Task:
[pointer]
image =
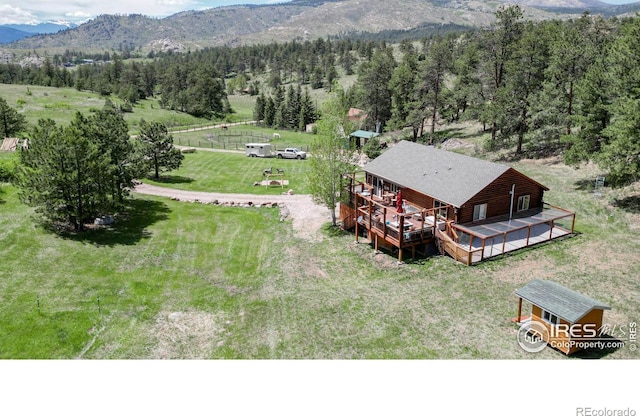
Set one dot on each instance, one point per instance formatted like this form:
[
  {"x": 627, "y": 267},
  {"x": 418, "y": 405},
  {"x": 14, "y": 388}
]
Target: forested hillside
[{"x": 539, "y": 88}]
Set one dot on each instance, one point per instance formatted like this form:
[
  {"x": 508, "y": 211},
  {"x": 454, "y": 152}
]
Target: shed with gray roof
[
  {"x": 361, "y": 137},
  {"x": 566, "y": 317},
  {"x": 563, "y": 302}
]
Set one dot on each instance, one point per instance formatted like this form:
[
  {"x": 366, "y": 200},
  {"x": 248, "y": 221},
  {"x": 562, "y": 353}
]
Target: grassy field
[
  {"x": 235, "y": 137},
  {"x": 233, "y": 173},
  {"x": 61, "y": 104},
  {"x": 180, "y": 280}
]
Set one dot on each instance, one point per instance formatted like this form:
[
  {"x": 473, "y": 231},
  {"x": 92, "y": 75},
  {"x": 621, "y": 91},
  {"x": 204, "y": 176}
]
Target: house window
[
  {"x": 549, "y": 317},
  {"x": 523, "y": 202},
  {"x": 479, "y": 212},
  {"x": 442, "y": 212}
]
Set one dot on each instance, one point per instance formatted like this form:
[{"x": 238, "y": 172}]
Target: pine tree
[
  {"x": 157, "y": 147},
  {"x": 61, "y": 173},
  {"x": 373, "y": 79},
  {"x": 11, "y": 122}
]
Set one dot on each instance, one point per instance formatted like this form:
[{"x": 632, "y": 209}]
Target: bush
[
  {"x": 7, "y": 170},
  {"x": 126, "y": 107},
  {"x": 372, "y": 148}
]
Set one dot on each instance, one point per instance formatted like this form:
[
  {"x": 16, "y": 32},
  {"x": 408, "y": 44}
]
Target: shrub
[
  {"x": 7, "y": 170},
  {"x": 126, "y": 107},
  {"x": 372, "y": 148}
]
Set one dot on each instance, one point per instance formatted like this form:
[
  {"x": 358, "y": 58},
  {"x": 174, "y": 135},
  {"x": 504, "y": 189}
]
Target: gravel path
[{"x": 307, "y": 216}]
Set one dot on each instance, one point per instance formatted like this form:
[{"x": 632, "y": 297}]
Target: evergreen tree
[
  {"x": 467, "y": 93},
  {"x": 403, "y": 85},
  {"x": 307, "y": 111},
  {"x": 11, "y": 122},
  {"x": 258, "y": 110},
  {"x": 317, "y": 78},
  {"x": 527, "y": 77},
  {"x": 157, "y": 147},
  {"x": 620, "y": 151},
  {"x": 498, "y": 49},
  {"x": 269, "y": 112},
  {"x": 435, "y": 68},
  {"x": 373, "y": 79},
  {"x": 61, "y": 173},
  {"x": 108, "y": 129},
  {"x": 595, "y": 113}
]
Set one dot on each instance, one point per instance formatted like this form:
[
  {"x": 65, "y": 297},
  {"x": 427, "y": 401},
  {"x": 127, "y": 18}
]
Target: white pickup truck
[{"x": 291, "y": 153}]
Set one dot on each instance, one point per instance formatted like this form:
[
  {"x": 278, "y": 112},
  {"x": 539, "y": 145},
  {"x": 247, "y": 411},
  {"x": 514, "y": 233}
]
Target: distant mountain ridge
[
  {"x": 298, "y": 19},
  {"x": 13, "y": 32}
]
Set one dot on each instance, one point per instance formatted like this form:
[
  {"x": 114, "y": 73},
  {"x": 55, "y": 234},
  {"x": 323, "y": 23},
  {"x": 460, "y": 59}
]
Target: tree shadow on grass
[
  {"x": 172, "y": 179},
  {"x": 441, "y": 136},
  {"x": 630, "y": 204},
  {"x": 129, "y": 228},
  {"x": 586, "y": 185}
]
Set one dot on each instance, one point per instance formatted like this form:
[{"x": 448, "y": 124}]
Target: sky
[{"x": 79, "y": 11}]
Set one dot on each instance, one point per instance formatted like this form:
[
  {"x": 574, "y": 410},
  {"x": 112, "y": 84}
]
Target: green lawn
[
  {"x": 243, "y": 106},
  {"x": 185, "y": 280},
  {"x": 233, "y": 173},
  {"x": 61, "y": 104}
]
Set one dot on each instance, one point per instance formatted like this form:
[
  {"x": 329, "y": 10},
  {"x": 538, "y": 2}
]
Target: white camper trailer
[{"x": 259, "y": 150}]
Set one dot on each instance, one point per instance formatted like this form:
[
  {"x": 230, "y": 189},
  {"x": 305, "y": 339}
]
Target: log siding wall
[{"x": 496, "y": 196}]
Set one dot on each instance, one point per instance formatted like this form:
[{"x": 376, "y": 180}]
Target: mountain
[
  {"x": 48, "y": 27},
  {"x": 8, "y": 34},
  {"x": 298, "y": 19},
  {"x": 11, "y": 33}
]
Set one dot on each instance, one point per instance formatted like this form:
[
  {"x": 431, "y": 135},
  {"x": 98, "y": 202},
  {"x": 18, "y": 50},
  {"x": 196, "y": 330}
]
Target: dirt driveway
[{"x": 307, "y": 216}]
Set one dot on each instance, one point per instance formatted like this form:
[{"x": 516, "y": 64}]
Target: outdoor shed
[
  {"x": 569, "y": 319},
  {"x": 360, "y": 137}
]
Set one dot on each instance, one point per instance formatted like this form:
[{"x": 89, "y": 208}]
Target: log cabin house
[
  {"x": 415, "y": 195},
  {"x": 567, "y": 319}
]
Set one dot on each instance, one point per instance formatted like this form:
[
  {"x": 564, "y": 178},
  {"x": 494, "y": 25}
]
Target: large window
[
  {"x": 523, "y": 202},
  {"x": 441, "y": 208},
  {"x": 549, "y": 317},
  {"x": 479, "y": 212}
]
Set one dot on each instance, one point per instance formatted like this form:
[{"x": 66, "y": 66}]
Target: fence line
[{"x": 225, "y": 143}]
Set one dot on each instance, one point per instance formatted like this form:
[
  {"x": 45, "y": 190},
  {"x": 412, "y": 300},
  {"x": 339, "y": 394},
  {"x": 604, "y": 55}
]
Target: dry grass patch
[{"x": 188, "y": 335}]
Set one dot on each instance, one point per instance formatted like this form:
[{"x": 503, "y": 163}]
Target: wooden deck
[
  {"x": 403, "y": 230},
  {"x": 501, "y": 235}
]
